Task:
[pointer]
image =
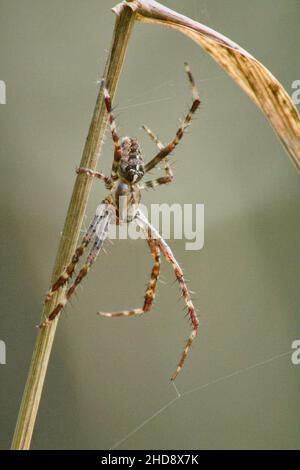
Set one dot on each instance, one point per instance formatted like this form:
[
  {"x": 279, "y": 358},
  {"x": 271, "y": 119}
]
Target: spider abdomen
[{"x": 127, "y": 199}]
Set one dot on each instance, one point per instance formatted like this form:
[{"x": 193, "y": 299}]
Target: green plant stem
[{"x": 38, "y": 368}]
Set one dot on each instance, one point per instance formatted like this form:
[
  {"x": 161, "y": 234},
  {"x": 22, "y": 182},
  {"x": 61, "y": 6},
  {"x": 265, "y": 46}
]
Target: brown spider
[{"x": 128, "y": 169}]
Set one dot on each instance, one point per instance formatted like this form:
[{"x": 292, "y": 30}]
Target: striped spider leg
[
  {"x": 69, "y": 270},
  {"x": 128, "y": 169},
  {"x": 166, "y": 150},
  {"x": 158, "y": 245},
  {"x": 90, "y": 233},
  {"x": 114, "y": 135},
  {"x": 169, "y": 174},
  {"x": 166, "y": 251},
  {"x": 150, "y": 292},
  {"x": 98, "y": 231}
]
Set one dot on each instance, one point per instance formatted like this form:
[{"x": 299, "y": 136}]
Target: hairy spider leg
[
  {"x": 101, "y": 231},
  {"x": 150, "y": 293},
  {"x": 186, "y": 122},
  {"x": 115, "y": 137},
  {"x": 153, "y": 137},
  {"x": 169, "y": 174},
  {"x": 167, "y": 253},
  {"x": 96, "y": 174},
  {"x": 69, "y": 270}
]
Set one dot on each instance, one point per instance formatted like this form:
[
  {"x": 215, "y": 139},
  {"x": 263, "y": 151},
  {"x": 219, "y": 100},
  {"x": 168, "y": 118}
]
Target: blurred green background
[{"x": 107, "y": 376}]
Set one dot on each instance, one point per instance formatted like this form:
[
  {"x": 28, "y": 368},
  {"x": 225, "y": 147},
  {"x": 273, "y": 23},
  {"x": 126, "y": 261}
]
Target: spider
[{"x": 128, "y": 169}]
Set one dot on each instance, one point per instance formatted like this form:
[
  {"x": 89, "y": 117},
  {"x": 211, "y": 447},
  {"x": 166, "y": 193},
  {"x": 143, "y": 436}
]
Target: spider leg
[
  {"x": 169, "y": 174},
  {"x": 158, "y": 181},
  {"x": 167, "y": 252},
  {"x": 186, "y": 122},
  {"x": 101, "y": 230},
  {"x": 150, "y": 292},
  {"x": 96, "y": 174},
  {"x": 69, "y": 270},
  {"x": 153, "y": 137},
  {"x": 113, "y": 129}
]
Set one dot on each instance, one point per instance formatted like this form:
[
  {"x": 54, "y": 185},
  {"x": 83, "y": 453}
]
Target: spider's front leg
[
  {"x": 150, "y": 293},
  {"x": 153, "y": 234},
  {"x": 114, "y": 134},
  {"x": 165, "y": 151},
  {"x": 96, "y": 174},
  {"x": 169, "y": 174}
]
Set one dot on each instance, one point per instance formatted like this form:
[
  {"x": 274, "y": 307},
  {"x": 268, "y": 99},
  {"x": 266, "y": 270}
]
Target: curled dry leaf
[{"x": 255, "y": 79}]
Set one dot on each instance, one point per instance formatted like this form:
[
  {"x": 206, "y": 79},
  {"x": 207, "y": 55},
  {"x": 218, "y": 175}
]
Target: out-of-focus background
[{"x": 106, "y": 377}]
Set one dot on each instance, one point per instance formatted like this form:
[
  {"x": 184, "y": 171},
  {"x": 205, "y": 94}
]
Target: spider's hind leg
[
  {"x": 98, "y": 229},
  {"x": 68, "y": 272},
  {"x": 167, "y": 252},
  {"x": 150, "y": 293}
]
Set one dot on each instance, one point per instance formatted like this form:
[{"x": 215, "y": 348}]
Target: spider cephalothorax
[{"x": 128, "y": 169}]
